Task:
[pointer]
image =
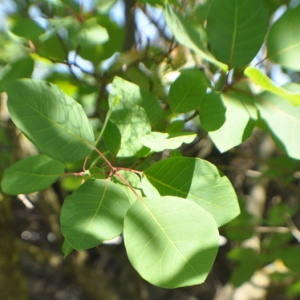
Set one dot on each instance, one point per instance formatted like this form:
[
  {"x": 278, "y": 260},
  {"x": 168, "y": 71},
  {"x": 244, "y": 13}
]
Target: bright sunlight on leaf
[
  {"x": 197, "y": 180},
  {"x": 283, "y": 40},
  {"x": 166, "y": 243},
  {"x": 266, "y": 83}
]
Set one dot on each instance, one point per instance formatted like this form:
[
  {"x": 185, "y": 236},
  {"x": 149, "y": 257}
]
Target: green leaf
[
  {"x": 188, "y": 36},
  {"x": 244, "y": 269},
  {"x": 239, "y": 121},
  {"x": 132, "y": 123},
  {"x": 283, "y": 44},
  {"x": 70, "y": 183},
  {"x": 31, "y": 174},
  {"x": 212, "y": 111},
  {"x": 241, "y": 228},
  {"x": 89, "y": 34},
  {"x": 187, "y": 91},
  {"x": 129, "y": 93},
  {"x": 93, "y": 213},
  {"x": 282, "y": 120},
  {"x": 53, "y": 121},
  {"x": 21, "y": 68},
  {"x": 131, "y": 113},
  {"x": 95, "y": 172},
  {"x": 273, "y": 5},
  {"x": 197, "y": 180},
  {"x": 66, "y": 248},
  {"x": 131, "y": 177},
  {"x": 27, "y": 28},
  {"x": 103, "y": 51},
  {"x": 50, "y": 46},
  {"x": 266, "y": 83},
  {"x": 170, "y": 241},
  {"x": 112, "y": 138},
  {"x": 159, "y": 141},
  {"x": 278, "y": 214},
  {"x": 236, "y": 30},
  {"x": 103, "y": 6},
  {"x": 148, "y": 189},
  {"x": 175, "y": 126}
]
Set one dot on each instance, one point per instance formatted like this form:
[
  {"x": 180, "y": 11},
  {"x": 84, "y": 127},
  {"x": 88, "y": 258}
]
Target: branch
[{"x": 129, "y": 25}]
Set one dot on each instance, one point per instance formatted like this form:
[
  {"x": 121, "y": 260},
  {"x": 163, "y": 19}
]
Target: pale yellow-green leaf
[{"x": 262, "y": 80}]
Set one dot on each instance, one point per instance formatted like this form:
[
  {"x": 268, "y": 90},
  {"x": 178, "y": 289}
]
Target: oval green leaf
[
  {"x": 283, "y": 121},
  {"x": 132, "y": 110},
  {"x": 212, "y": 111},
  {"x": 31, "y": 174},
  {"x": 283, "y": 40},
  {"x": 240, "y": 121},
  {"x": 53, "y": 121},
  {"x": 125, "y": 93},
  {"x": 187, "y": 91},
  {"x": 236, "y": 30},
  {"x": 188, "y": 36},
  {"x": 197, "y": 180},
  {"x": 93, "y": 213},
  {"x": 172, "y": 242}
]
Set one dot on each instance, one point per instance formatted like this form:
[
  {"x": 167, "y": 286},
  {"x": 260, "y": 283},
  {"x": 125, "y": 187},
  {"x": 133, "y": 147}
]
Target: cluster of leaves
[{"x": 168, "y": 211}]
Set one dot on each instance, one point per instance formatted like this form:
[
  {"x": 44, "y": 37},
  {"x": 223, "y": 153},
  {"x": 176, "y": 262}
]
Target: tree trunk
[{"x": 12, "y": 282}]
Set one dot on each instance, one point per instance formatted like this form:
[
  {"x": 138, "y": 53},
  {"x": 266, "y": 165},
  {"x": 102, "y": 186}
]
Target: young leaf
[
  {"x": 239, "y": 121},
  {"x": 132, "y": 123},
  {"x": 283, "y": 40},
  {"x": 187, "y": 91},
  {"x": 93, "y": 213},
  {"x": 31, "y": 174},
  {"x": 53, "y": 121},
  {"x": 197, "y": 180},
  {"x": 172, "y": 242},
  {"x": 265, "y": 82},
  {"x": 212, "y": 111},
  {"x": 188, "y": 36},
  {"x": 131, "y": 113},
  {"x": 236, "y": 30},
  {"x": 159, "y": 141},
  {"x": 283, "y": 121},
  {"x": 130, "y": 94}
]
